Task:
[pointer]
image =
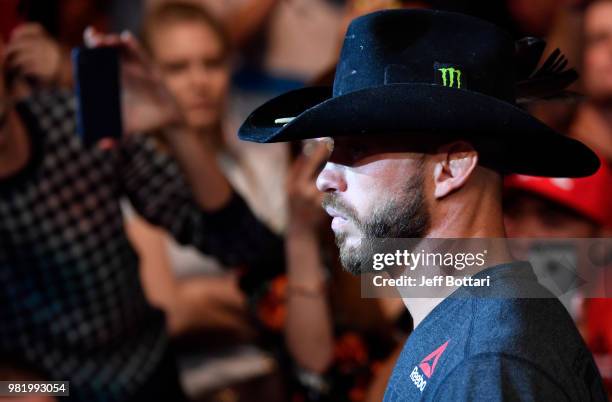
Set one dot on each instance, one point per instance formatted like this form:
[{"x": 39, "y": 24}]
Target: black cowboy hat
[{"x": 429, "y": 75}]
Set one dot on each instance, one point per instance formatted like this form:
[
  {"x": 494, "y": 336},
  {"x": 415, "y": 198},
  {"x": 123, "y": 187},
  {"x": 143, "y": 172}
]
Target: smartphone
[{"x": 98, "y": 93}]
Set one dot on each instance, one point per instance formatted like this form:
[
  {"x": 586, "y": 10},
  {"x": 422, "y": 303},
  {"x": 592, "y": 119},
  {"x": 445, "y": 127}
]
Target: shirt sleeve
[
  {"x": 153, "y": 183},
  {"x": 495, "y": 377}
]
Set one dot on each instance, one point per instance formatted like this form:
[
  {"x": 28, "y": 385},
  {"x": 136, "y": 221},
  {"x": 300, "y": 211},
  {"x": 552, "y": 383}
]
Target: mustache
[{"x": 332, "y": 201}]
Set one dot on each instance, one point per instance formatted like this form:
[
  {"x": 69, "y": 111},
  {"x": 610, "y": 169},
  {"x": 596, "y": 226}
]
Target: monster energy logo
[{"x": 451, "y": 75}]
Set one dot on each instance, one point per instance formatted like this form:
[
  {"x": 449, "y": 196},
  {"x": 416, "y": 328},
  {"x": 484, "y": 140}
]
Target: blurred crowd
[{"x": 191, "y": 266}]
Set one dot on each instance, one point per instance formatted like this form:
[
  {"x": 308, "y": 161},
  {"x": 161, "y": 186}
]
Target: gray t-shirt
[{"x": 500, "y": 348}]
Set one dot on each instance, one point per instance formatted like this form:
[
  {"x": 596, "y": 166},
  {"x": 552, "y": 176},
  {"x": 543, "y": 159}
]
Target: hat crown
[{"x": 425, "y": 46}]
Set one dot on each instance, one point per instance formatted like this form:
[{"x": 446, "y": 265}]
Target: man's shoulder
[
  {"x": 521, "y": 325},
  {"x": 534, "y": 335},
  {"x": 515, "y": 347},
  {"x": 500, "y": 376},
  {"x": 517, "y": 315}
]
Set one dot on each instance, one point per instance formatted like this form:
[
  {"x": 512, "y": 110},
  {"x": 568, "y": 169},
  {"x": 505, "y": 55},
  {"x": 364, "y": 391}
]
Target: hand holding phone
[{"x": 146, "y": 104}]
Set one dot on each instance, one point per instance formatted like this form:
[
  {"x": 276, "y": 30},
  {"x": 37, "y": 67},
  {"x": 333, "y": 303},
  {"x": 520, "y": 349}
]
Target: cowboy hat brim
[{"x": 508, "y": 138}]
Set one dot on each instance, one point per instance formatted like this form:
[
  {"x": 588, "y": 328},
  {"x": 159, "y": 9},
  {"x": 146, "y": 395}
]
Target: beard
[{"x": 405, "y": 216}]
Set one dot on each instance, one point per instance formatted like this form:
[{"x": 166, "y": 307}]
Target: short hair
[{"x": 183, "y": 11}]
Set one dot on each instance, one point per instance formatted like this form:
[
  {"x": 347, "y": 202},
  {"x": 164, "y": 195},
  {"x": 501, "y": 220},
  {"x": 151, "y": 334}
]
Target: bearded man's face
[{"x": 373, "y": 190}]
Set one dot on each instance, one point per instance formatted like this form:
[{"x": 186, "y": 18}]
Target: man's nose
[{"x": 331, "y": 179}]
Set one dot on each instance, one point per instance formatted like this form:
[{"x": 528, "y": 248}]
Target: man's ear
[{"x": 453, "y": 165}]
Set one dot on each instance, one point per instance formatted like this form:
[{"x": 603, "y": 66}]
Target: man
[
  {"x": 593, "y": 121},
  {"x": 71, "y": 304},
  {"x": 423, "y": 122}
]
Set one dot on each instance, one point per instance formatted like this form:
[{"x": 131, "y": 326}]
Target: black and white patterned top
[{"x": 71, "y": 301}]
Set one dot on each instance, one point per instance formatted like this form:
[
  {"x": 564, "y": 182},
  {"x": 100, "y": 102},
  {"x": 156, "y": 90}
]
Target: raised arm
[
  {"x": 183, "y": 191},
  {"x": 309, "y": 329}
]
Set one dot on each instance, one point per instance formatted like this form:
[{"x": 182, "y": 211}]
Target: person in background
[
  {"x": 39, "y": 58},
  {"x": 241, "y": 18},
  {"x": 558, "y": 207},
  {"x": 199, "y": 295},
  {"x": 534, "y": 17},
  {"x": 192, "y": 52},
  {"x": 71, "y": 302},
  {"x": 43, "y": 33},
  {"x": 593, "y": 120},
  {"x": 568, "y": 208}
]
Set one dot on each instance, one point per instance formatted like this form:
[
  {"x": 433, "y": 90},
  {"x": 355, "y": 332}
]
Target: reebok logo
[
  {"x": 427, "y": 366},
  {"x": 418, "y": 379}
]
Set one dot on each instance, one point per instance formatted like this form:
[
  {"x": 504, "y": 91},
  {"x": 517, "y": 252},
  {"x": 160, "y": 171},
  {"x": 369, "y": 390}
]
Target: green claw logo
[{"x": 448, "y": 77}]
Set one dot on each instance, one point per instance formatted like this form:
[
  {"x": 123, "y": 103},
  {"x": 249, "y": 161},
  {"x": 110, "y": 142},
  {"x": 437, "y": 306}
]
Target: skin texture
[
  {"x": 184, "y": 301},
  {"x": 358, "y": 171},
  {"x": 534, "y": 17},
  {"x": 308, "y": 329},
  {"x": 367, "y": 175},
  {"x": 34, "y": 54},
  {"x": 597, "y": 69},
  {"x": 593, "y": 122},
  {"x": 404, "y": 215},
  {"x": 195, "y": 70},
  {"x": 242, "y": 21}
]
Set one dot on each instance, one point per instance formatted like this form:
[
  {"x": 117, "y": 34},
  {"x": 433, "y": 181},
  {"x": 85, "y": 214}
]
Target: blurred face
[
  {"x": 372, "y": 191},
  {"x": 597, "y": 72},
  {"x": 534, "y": 16},
  {"x": 527, "y": 215},
  {"x": 194, "y": 68}
]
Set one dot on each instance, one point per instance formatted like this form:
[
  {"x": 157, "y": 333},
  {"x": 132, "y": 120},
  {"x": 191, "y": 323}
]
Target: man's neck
[
  {"x": 14, "y": 146},
  {"x": 420, "y": 308},
  {"x": 477, "y": 217}
]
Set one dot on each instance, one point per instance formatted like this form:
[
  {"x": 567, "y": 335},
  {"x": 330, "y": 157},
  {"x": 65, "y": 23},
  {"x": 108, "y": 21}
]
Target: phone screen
[{"x": 97, "y": 87}]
